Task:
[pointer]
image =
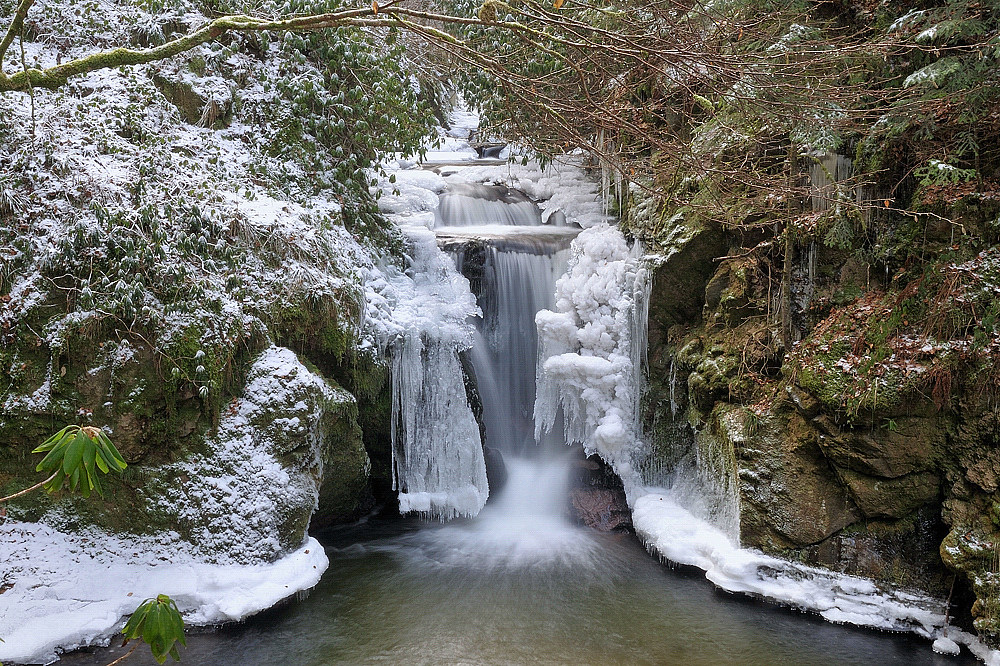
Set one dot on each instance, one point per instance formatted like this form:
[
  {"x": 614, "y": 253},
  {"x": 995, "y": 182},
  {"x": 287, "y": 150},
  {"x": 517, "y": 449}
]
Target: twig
[
  {"x": 31, "y": 88},
  {"x": 124, "y": 656},
  {"x": 15, "y": 29},
  {"x": 28, "y": 490}
]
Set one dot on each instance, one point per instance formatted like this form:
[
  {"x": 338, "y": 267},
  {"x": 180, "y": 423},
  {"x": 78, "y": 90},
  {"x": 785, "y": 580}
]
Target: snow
[
  {"x": 944, "y": 645},
  {"x": 237, "y": 494},
  {"x": 562, "y": 186},
  {"x": 675, "y": 534},
  {"x": 73, "y": 590}
]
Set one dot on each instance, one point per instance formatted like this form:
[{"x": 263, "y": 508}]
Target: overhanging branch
[
  {"x": 15, "y": 27},
  {"x": 53, "y": 77}
]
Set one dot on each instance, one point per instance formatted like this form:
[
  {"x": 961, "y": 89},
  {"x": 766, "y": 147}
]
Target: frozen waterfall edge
[
  {"x": 591, "y": 350},
  {"x": 438, "y": 464}
]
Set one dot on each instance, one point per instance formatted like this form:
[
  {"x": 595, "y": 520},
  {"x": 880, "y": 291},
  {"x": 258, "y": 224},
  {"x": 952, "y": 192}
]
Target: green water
[{"x": 402, "y": 592}]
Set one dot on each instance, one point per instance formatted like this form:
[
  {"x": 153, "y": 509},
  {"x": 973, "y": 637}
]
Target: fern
[{"x": 936, "y": 172}]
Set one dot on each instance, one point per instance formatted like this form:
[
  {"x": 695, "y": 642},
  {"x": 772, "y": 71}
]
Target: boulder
[{"x": 597, "y": 497}]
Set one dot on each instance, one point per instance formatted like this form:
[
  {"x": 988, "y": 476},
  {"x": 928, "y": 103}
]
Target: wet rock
[
  {"x": 893, "y": 498},
  {"x": 496, "y": 470},
  {"x": 789, "y": 496},
  {"x": 908, "y": 446},
  {"x": 601, "y": 510},
  {"x": 597, "y": 497},
  {"x": 344, "y": 492},
  {"x": 901, "y": 552},
  {"x": 678, "y": 292}
]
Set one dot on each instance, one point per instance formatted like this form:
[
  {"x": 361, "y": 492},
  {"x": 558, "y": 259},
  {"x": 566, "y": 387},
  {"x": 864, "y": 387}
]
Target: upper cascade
[{"x": 477, "y": 204}]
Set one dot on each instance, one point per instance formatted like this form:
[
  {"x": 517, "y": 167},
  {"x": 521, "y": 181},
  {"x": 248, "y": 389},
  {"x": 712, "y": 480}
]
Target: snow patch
[
  {"x": 73, "y": 590},
  {"x": 675, "y": 534}
]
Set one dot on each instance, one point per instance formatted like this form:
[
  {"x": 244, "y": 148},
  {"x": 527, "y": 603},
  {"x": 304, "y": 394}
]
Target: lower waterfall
[{"x": 581, "y": 382}]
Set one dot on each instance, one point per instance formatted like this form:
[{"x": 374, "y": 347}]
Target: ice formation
[
  {"x": 589, "y": 350},
  {"x": 675, "y": 534},
  {"x": 438, "y": 463}
]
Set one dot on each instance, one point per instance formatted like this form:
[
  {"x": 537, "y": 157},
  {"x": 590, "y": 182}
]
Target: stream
[
  {"x": 519, "y": 583},
  {"x": 403, "y": 591}
]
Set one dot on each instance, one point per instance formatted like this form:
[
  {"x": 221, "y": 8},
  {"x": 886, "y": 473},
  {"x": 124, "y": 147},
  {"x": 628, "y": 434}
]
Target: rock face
[
  {"x": 280, "y": 450},
  {"x": 894, "y": 478},
  {"x": 242, "y": 490}
]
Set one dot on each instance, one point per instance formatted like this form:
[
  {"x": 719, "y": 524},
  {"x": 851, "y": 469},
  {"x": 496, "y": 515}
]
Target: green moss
[
  {"x": 344, "y": 494},
  {"x": 319, "y": 327}
]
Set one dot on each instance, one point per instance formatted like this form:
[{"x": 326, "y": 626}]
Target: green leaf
[
  {"x": 105, "y": 455},
  {"x": 48, "y": 444},
  {"x": 159, "y": 624},
  {"x": 56, "y": 483},
  {"x": 89, "y": 454},
  {"x": 71, "y": 461},
  {"x": 113, "y": 451},
  {"x": 99, "y": 460},
  {"x": 54, "y": 457}
]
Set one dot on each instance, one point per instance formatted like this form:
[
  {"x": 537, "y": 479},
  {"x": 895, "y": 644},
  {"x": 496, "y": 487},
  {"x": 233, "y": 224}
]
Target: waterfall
[
  {"x": 590, "y": 354},
  {"x": 437, "y": 455},
  {"x": 469, "y": 204},
  {"x": 516, "y": 286},
  {"x": 514, "y": 268}
]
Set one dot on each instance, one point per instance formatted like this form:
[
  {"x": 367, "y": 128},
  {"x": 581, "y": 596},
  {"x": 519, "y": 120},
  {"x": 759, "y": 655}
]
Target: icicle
[
  {"x": 673, "y": 388},
  {"x": 590, "y": 350},
  {"x": 438, "y": 464}
]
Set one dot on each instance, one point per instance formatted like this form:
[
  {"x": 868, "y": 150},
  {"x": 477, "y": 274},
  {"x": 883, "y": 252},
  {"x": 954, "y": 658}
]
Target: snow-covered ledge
[
  {"x": 68, "y": 591},
  {"x": 675, "y": 534}
]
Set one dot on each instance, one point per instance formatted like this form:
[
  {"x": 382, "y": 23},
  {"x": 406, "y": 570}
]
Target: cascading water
[
  {"x": 475, "y": 204},
  {"x": 517, "y": 285},
  {"x": 517, "y": 275}
]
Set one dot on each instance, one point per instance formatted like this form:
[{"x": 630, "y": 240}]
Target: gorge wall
[{"x": 870, "y": 445}]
